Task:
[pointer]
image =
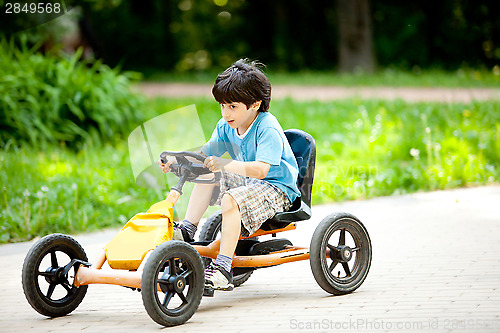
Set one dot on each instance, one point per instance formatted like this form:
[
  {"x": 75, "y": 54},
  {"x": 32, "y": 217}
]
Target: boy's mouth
[{"x": 230, "y": 121}]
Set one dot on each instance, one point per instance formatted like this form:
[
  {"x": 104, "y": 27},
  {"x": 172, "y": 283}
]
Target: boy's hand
[
  {"x": 165, "y": 167},
  {"x": 215, "y": 164}
]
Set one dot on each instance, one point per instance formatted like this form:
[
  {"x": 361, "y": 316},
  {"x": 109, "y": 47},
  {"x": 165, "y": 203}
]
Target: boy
[{"x": 259, "y": 180}]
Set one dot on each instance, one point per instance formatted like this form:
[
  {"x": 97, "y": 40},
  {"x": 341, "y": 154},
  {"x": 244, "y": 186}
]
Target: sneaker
[
  {"x": 181, "y": 234},
  {"x": 218, "y": 278}
]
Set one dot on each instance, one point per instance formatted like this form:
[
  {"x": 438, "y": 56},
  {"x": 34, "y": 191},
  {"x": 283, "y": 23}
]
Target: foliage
[
  {"x": 437, "y": 34},
  {"x": 52, "y": 99},
  {"x": 365, "y": 148},
  {"x": 193, "y": 35}
]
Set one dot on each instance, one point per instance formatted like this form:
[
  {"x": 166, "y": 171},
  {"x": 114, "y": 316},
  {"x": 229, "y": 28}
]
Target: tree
[{"x": 355, "y": 36}]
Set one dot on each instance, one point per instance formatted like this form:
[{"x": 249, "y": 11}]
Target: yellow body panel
[{"x": 142, "y": 233}]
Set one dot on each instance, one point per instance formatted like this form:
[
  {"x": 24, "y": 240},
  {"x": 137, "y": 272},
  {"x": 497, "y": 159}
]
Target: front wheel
[
  {"x": 47, "y": 282},
  {"x": 340, "y": 253},
  {"x": 172, "y": 283}
]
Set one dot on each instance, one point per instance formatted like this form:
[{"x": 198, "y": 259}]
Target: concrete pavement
[{"x": 436, "y": 267}]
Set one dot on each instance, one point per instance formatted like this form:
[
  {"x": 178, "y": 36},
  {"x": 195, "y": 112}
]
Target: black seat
[{"x": 304, "y": 149}]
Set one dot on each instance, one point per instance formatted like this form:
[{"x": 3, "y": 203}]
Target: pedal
[
  {"x": 208, "y": 292},
  {"x": 229, "y": 288}
]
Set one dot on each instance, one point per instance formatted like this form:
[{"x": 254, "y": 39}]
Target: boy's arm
[{"x": 254, "y": 169}]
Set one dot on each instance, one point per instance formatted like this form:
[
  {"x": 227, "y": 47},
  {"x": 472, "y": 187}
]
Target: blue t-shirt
[{"x": 265, "y": 142}]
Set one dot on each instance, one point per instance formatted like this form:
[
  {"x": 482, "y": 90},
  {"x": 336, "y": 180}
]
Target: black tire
[
  {"x": 209, "y": 232},
  {"x": 173, "y": 267},
  {"x": 352, "y": 235},
  {"x": 60, "y": 296}
]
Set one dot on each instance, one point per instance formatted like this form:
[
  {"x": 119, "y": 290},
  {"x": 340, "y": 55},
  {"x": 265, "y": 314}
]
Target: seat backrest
[{"x": 304, "y": 149}]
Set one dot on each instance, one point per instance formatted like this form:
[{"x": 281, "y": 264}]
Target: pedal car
[{"x": 170, "y": 274}]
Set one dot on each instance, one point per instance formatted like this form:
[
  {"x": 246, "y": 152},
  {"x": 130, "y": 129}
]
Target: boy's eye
[{"x": 231, "y": 106}]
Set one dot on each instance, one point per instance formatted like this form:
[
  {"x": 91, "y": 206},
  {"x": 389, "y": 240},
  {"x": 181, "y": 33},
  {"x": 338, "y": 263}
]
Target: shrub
[{"x": 60, "y": 99}]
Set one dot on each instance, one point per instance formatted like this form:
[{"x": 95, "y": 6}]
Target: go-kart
[{"x": 170, "y": 273}]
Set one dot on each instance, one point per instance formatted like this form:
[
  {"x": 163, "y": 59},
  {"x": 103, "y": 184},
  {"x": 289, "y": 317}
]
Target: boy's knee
[{"x": 228, "y": 203}]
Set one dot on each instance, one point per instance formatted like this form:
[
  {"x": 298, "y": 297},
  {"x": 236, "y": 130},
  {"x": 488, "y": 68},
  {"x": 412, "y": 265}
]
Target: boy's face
[{"x": 238, "y": 116}]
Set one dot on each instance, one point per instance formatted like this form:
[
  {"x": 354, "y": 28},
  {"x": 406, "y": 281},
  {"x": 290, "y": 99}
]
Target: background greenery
[
  {"x": 289, "y": 35},
  {"x": 463, "y": 77},
  {"x": 48, "y": 99},
  {"x": 193, "y": 35},
  {"x": 65, "y": 115},
  {"x": 365, "y": 148}
]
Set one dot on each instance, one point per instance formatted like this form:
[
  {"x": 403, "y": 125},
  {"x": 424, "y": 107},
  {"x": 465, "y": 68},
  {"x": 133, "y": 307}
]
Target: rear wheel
[
  {"x": 210, "y": 231},
  {"x": 340, "y": 253},
  {"x": 48, "y": 274},
  {"x": 172, "y": 283}
]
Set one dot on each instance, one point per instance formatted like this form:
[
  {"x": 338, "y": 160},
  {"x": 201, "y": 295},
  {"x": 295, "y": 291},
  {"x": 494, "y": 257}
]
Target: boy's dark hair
[{"x": 243, "y": 82}]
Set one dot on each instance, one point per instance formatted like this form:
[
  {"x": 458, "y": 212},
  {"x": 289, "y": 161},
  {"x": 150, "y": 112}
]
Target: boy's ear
[{"x": 256, "y": 105}]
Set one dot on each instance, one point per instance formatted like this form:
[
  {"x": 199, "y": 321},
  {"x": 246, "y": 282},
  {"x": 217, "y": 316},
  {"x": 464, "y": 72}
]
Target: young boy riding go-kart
[{"x": 264, "y": 189}]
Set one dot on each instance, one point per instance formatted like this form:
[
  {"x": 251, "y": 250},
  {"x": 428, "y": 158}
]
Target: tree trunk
[{"x": 355, "y": 36}]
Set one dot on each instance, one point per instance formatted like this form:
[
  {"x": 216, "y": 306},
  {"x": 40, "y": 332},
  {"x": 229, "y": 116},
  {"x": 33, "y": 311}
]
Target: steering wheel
[{"x": 188, "y": 170}]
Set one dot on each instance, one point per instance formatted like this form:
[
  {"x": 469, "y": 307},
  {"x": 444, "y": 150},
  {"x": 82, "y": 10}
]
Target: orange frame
[{"x": 96, "y": 275}]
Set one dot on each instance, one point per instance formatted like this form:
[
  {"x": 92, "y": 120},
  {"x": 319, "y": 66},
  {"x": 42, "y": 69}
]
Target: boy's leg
[
  {"x": 198, "y": 204},
  {"x": 218, "y": 275},
  {"x": 231, "y": 226}
]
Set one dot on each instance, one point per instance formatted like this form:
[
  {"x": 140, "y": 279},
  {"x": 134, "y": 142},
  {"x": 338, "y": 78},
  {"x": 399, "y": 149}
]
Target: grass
[
  {"x": 462, "y": 78},
  {"x": 365, "y": 148},
  {"x": 375, "y": 148},
  {"x": 368, "y": 148},
  {"x": 58, "y": 190}
]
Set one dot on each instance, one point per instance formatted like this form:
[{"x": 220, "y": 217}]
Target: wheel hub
[
  {"x": 172, "y": 282},
  {"x": 178, "y": 282},
  {"x": 56, "y": 275},
  {"x": 345, "y": 253}
]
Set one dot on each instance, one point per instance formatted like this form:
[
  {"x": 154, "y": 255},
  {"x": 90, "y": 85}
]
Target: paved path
[
  {"x": 327, "y": 93},
  {"x": 436, "y": 267}
]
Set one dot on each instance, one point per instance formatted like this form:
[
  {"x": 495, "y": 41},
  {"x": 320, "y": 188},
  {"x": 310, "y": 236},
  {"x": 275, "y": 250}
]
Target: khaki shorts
[{"x": 257, "y": 199}]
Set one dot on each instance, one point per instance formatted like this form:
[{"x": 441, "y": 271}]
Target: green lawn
[
  {"x": 365, "y": 148},
  {"x": 465, "y": 78}
]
